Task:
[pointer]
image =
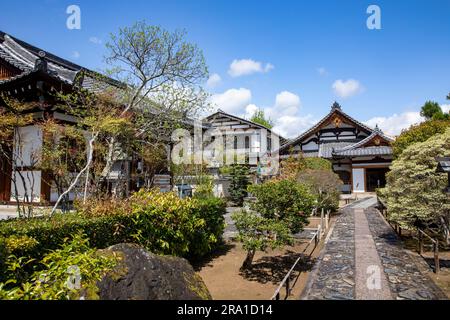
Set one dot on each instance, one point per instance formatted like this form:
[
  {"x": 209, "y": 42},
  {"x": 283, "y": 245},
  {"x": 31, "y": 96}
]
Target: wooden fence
[
  {"x": 315, "y": 239},
  {"x": 420, "y": 236}
]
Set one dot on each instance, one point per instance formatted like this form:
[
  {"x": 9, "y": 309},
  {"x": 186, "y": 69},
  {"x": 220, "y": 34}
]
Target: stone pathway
[{"x": 364, "y": 260}]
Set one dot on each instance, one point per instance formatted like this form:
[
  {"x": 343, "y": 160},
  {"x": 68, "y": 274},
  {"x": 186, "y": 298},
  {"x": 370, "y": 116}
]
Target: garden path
[{"x": 363, "y": 259}]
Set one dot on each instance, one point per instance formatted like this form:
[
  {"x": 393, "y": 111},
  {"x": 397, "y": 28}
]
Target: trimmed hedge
[{"x": 163, "y": 223}]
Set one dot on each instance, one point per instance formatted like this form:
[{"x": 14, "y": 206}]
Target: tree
[
  {"x": 324, "y": 184},
  {"x": 414, "y": 192},
  {"x": 418, "y": 133},
  {"x": 281, "y": 209},
  {"x": 163, "y": 74},
  {"x": 259, "y": 117},
  {"x": 14, "y": 114},
  {"x": 239, "y": 183},
  {"x": 431, "y": 110},
  {"x": 283, "y": 200},
  {"x": 98, "y": 116},
  {"x": 257, "y": 233}
]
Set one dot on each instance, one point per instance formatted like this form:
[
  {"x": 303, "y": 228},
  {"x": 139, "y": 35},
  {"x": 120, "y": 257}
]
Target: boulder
[{"x": 141, "y": 275}]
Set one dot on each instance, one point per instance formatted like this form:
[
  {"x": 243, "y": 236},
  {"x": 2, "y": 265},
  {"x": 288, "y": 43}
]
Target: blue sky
[{"x": 291, "y": 58}]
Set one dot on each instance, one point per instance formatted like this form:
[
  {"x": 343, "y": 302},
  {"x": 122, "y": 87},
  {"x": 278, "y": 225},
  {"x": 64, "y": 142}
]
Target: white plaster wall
[
  {"x": 33, "y": 183},
  {"x": 311, "y": 146},
  {"x": 27, "y": 146},
  {"x": 358, "y": 180}
]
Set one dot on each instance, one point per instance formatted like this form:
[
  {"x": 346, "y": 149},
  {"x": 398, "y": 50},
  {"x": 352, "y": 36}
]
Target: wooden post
[
  {"x": 288, "y": 293},
  {"x": 436, "y": 256},
  {"x": 420, "y": 247},
  {"x": 321, "y": 218}
]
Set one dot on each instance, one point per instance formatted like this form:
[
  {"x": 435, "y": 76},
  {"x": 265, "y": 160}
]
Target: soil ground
[{"x": 224, "y": 279}]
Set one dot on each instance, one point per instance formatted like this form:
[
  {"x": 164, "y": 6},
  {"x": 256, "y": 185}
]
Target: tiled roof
[
  {"x": 367, "y": 151},
  {"x": 326, "y": 149},
  {"x": 358, "y": 149},
  {"x": 221, "y": 112},
  {"x": 24, "y": 57}
]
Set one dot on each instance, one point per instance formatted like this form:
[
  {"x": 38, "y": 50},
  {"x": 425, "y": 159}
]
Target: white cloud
[
  {"x": 345, "y": 89},
  {"x": 287, "y": 103},
  {"x": 292, "y": 126},
  {"x": 248, "y": 66},
  {"x": 322, "y": 71},
  {"x": 95, "y": 40},
  {"x": 445, "y": 108},
  {"x": 284, "y": 113},
  {"x": 250, "y": 111},
  {"x": 76, "y": 54},
  {"x": 233, "y": 100},
  {"x": 393, "y": 125},
  {"x": 214, "y": 80}
]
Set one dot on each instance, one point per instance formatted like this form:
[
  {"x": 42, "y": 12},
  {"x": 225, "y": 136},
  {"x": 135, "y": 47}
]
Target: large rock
[{"x": 141, "y": 275}]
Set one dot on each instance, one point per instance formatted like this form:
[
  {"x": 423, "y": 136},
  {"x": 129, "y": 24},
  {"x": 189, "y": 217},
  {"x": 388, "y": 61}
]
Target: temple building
[
  {"x": 360, "y": 155},
  {"x": 250, "y": 140}
]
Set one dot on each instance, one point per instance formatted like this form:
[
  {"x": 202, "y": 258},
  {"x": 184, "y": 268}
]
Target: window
[
  {"x": 235, "y": 142},
  {"x": 269, "y": 144},
  {"x": 247, "y": 142}
]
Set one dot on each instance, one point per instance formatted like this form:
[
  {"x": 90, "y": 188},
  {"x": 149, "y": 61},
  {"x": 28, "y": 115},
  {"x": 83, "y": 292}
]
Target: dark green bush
[
  {"x": 162, "y": 223},
  {"x": 75, "y": 258},
  {"x": 284, "y": 200}
]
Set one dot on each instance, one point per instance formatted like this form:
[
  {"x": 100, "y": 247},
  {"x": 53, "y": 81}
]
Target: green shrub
[
  {"x": 324, "y": 184},
  {"x": 414, "y": 193},
  {"x": 70, "y": 272},
  {"x": 257, "y": 233},
  {"x": 239, "y": 183},
  {"x": 161, "y": 222},
  {"x": 284, "y": 200},
  {"x": 418, "y": 133},
  {"x": 318, "y": 164}
]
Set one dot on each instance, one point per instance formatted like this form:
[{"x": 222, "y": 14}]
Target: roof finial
[
  {"x": 336, "y": 106},
  {"x": 377, "y": 128}
]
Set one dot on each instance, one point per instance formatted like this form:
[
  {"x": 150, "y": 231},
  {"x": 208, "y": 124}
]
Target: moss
[{"x": 195, "y": 284}]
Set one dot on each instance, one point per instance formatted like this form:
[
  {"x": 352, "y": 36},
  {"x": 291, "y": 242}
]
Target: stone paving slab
[
  {"x": 334, "y": 276},
  {"x": 405, "y": 279},
  {"x": 341, "y": 271}
]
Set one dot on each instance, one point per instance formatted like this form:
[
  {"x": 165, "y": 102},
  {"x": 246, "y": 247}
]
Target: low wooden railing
[
  {"x": 435, "y": 242},
  {"x": 320, "y": 231},
  {"x": 420, "y": 237}
]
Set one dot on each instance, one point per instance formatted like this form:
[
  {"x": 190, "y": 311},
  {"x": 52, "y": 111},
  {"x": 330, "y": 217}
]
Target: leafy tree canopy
[
  {"x": 260, "y": 118},
  {"x": 418, "y": 133},
  {"x": 432, "y": 110},
  {"x": 414, "y": 191}
]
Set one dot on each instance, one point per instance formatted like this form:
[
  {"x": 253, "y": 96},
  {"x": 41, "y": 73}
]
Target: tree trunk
[
  {"x": 248, "y": 260},
  {"x": 74, "y": 183}
]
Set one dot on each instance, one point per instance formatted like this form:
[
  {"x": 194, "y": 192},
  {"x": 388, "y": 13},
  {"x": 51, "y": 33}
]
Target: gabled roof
[
  {"x": 25, "y": 57},
  {"x": 335, "y": 109},
  {"x": 360, "y": 148},
  {"x": 251, "y": 123}
]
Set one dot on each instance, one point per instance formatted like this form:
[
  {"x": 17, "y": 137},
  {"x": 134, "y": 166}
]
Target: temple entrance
[{"x": 375, "y": 178}]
